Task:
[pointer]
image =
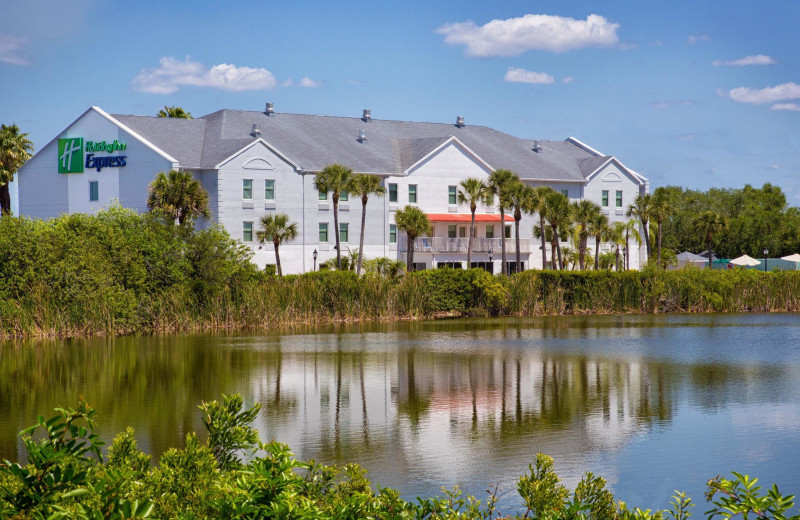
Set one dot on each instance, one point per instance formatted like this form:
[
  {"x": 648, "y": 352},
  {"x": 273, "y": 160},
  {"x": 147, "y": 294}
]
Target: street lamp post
[
  {"x": 766, "y": 252},
  {"x": 315, "y": 258},
  {"x": 490, "y": 259},
  {"x": 625, "y": 258}
]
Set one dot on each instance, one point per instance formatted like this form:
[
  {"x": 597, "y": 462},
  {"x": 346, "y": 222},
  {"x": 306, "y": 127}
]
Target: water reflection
[{"x": 429, "y": 404}]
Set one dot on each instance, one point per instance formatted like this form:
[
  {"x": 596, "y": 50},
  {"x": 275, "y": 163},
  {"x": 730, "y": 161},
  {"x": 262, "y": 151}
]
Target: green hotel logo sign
[{"x": 71, "y": 155}]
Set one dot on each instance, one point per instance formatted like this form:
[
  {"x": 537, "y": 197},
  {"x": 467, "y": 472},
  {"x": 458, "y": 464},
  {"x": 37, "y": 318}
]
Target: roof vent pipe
[
  {"x": 362, "y": 136},
  {"x": 460, "y": 121},
  {"x": 367, "y": 116},
  {"x": 256, "y": 131},
  {"x": 537, "y": 146},
  {"x": 270, "y": 109}
]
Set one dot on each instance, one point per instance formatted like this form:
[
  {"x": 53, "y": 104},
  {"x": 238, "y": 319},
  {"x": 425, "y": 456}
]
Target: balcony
[{"x": 459, "y": 245}]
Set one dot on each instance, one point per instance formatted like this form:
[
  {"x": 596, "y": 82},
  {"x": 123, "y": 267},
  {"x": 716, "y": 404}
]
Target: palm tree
[
  {"x": 472, "y": 191},
  {"x": 15, "y": 150},
  {"x": 583, "y": 211},
  {"x": 336, "y": 179},
  {"x": 540, "y": 199},
  {"x": 365, "y": 185},
  {"x": 597, "y": 227},
  {"x": 519, "y": 197},
  {"x": 179, "y": 196},
  {"x": 616, "y": 236},
  {"x": 707, "y": 224},
  {"x": 661, "y": 209},
  {"x": 279, "y": 230},
  {"x": 631, "y": 228},
  {"x": 558, "y": 214},
  {"x": 176, "y": 112},
  {"x": 499, "y": 182},
  {"x": 414, "y": 222},
  {"x": 641, "y": 209}
]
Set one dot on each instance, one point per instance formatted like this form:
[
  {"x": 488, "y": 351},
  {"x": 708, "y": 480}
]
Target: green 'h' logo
[{"x": 70, "y": 155}]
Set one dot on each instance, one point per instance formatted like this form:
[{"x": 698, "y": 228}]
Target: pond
[{"x": 652, "y": 403}]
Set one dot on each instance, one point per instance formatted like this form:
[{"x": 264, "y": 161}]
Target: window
[
  {"x": 565, "y": 193},
  {"x": 412, "y": 193},
  {"x": 247, "y": 189},
  {"x": 619, "y": 199},
  {"x": 490, "y": 231},
  {"x": 392, "y": 234},
  {"x": 452, "y": 198},
  {"x": 393, "y": 193},
  {"x": 508, "y": 231},
  {"x": 323, "y": 232},
  {"x": 247, "y": 231},
  {"x": 605, "y": 198},
  {"x": 344, "y": 196},
  {"x": 451, "y": 231},
  {"x": 94, "y": 191},
  {"x": 344, "y": 232},
  {"x": 269, "y": 189},
  {"x": 323, "y": 195},
  {"x": 462, "y": 232}
]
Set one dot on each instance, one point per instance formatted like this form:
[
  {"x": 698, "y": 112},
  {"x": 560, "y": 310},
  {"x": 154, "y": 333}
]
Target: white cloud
[
  {"x": 310, "y": 83},
  {"x": 171, "y": 74},
  {"x": 568, "y": 79},
  {"x": 526, "y": 76},
  {"x": 786, "y": 106},
  {"x": 759, "y": 59},
  {"x": 354, "y": 81},
  {"x": 10, "y": 47},
  {"x": 697, "y": 38},
  {"x": 765, "y": 95},
  {"x": 774, "y": 166},
  {"x": 530, "y": 32},
  {"x": 288, "y": 83}
]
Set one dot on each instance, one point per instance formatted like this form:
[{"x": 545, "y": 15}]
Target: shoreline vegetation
[
  {"x": 119, "y": 272},
  {"x": 235, "y": 475}
]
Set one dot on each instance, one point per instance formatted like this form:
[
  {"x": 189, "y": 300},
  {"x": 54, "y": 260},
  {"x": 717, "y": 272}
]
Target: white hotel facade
[{"x": 255, "y": 163}]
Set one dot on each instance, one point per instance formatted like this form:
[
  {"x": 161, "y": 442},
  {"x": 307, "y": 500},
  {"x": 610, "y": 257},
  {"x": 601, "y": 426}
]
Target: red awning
[{"x": 464, "y": 217}]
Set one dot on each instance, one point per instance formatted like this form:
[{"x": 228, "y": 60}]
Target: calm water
[{"x": 652, "y": 403}]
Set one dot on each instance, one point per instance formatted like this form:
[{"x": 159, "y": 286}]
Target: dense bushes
[
  {"x": 67, "y": 478},
  {"x": 122, "y": 272}
]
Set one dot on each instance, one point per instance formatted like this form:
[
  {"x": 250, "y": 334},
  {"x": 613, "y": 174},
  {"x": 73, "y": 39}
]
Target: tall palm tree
[
  {"x": 334, "y": 178},
  {"x": 546, "y": 235},
  {"x": 364, "y": 184},
  {"x": 414, "y": 222},
  {"x": 616, "y": 236},
  {"x": 641, "y": 209},
  {"x": 707, "y": 224},
  {"x": 179, "y": 196},
  {"x": 279, "y": 230},
  {"x": 631, "y": 229},
  {"x": 499, "y": 182},
  {"x": 540, "y": 199},
  {"x": 519, "y": 198},
  {"x": 558, "y": 214},
  {"x": 598, "y": 227},
  {"x": 583, "y": 212},
  {"x": 15, "y": 150},
  {"x": 661, "y": 208},
  {"x": 176, "y": 112},
  {"x": 472, "y": 191}
]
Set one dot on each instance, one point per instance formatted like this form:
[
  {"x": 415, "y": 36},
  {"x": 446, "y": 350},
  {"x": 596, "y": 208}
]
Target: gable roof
[{"x": 312, "y": 142}]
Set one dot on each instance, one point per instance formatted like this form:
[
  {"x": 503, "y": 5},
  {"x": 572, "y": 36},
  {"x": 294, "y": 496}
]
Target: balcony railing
[{"x": 459, "y": 245}]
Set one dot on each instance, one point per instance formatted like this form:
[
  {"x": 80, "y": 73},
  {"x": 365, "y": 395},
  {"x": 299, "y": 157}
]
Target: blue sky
[{"x": 688, "y": 93}]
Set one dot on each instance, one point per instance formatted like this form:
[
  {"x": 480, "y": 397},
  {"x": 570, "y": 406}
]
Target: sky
[{"x": 690, "y": 93}]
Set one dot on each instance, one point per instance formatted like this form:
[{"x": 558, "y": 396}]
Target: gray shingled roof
[{"x": 313, "y": 142}]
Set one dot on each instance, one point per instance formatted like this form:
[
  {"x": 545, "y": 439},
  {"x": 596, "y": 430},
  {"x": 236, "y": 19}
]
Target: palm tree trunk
[
  {"x": 336, "y": 231},
  {"x": 617, "y": 256},
  {"x": 659, "y": 243},
  {"x": 410, "y": 254},
  {"x": 516, "y": 238},
  {"x": 627, "y": 251},
  {"x": 582, "y": 252},
  {"x": 553, "y": 257},
  {"x": 5, "y": 200},
  {"x": 469, "y": 240},
  {"x": 361, "y": 240},
  {"x": 504, "y": 269},
  {"x": 558, "y": 248},
  {"x": 597, "y": 252},
  {"x": 277, "y": 257},
  {"x": 544, "y": 248},
  {"x": 646, "y": 238}
]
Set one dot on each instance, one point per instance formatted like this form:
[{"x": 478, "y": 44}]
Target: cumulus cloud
[
  {"x": 697, "y": 38},
  {"x": 774, "y": 94},
  {"x": 759, "y": 59},
  {"x": 10, "y": 47},
  {"x": 530, "y": 32},
  {"x": 794, "y": 107},
  {"x": 526, "y": 76},
  {"x": 310, "y": 83},
  {"x": 172, "y": 74}
]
